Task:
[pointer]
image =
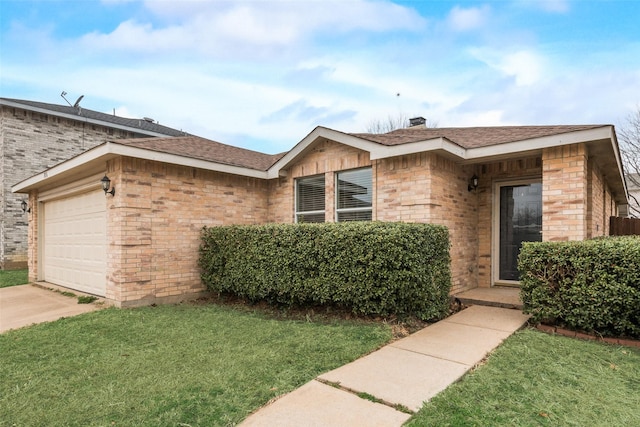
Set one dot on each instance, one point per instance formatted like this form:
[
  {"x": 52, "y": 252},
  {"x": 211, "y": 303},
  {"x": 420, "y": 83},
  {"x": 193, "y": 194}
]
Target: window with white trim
[
  {"x": 354, "y": 195},
  {"x": 310, "y": 199}
]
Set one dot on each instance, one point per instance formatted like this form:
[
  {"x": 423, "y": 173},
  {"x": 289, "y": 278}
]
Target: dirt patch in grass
[{"x": 401, "y": 326}]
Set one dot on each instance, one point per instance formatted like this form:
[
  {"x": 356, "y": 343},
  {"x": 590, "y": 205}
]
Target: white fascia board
[
  {"x": 80, "y": 118},
  {"x": 616, "y": 151},
  {"x": 535, "y": 144},
  {"x": 443, "y": 144}
]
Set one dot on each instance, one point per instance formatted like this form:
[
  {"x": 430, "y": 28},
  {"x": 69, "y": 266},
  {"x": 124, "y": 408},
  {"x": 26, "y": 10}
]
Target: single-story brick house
[{"x": 494, "y": 187}]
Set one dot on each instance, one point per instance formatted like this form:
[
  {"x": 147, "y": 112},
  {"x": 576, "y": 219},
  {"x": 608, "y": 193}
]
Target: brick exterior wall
[
  {"x": 600, "y": 203},
  {"x": 155, "y": 220},
  {"x": 428, "y": 188},
  {"x": 31, "y": 142},
  {"x": 564, "y": 193}
]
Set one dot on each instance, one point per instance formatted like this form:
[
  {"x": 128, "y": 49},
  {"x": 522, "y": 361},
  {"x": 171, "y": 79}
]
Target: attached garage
[{"x": 74, "y": 242}]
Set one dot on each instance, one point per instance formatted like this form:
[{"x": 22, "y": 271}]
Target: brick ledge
[{"x": 581, "y": 335}]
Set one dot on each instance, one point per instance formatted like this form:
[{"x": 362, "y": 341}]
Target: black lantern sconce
[
  {"x": 25, "y": 207},
  {"x": 473, "y": 183},
  {"x": 106, "y": 184}
]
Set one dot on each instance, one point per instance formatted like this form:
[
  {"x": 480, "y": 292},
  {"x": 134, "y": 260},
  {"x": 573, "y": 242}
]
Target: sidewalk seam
[
  {"x": 431, "y": 355},
  {"x": 356, "y": 393}
]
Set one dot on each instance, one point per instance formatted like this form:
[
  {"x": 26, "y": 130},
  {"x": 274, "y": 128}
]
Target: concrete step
[{"x": 504, "y": 297}]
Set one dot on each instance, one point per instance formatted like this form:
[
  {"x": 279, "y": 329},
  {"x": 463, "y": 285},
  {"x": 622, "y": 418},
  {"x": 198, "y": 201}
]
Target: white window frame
[{"x": 316, "y": 212}]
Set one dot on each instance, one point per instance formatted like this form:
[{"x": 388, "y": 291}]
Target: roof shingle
[
  {"x": 205, "y": 149},
  {"x": 141, "y": 124}
]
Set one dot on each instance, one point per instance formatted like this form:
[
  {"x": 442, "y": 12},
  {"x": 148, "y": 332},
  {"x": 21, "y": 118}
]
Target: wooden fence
[{"x": 624, "y": 226}]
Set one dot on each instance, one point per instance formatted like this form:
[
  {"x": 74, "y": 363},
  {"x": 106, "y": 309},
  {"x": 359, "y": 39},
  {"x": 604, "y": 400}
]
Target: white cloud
[
  {"x": 461, "y": 19},
  {"x": 555, "y": 6},
  {"x": 525, "y": 66},
  {"x": 250, "y": 28}
]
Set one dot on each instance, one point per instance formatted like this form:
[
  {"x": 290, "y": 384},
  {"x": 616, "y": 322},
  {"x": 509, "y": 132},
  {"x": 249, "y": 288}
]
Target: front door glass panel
[{"x": 520, "y": 221}]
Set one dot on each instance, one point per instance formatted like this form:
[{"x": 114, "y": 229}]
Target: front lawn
[
  {"x": 169, "y": 365},
  {"x": 13, "y": 277},
  {"x": 537, "y": 379}
]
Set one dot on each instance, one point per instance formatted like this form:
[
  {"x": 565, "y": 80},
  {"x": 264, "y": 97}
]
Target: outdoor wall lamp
[
  {"x": 25, "y": 207},
  {"x": 473, "y": 183},
  {"x": 106, "y": 184}
]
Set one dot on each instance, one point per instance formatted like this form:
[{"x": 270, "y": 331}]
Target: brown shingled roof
[
  {"x": 472, "y": 137},
  {"x": 205, "y": 149}
]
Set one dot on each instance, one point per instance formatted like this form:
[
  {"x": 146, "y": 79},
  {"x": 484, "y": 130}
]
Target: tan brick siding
[
  {"x": 601, "y": 205},
  {"x": 155, "y": 220},
  {"x": 427, "y": 188},
  {"x": 564, "y": 193}
]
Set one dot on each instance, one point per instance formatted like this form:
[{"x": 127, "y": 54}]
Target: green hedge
[
  {"x": 593, "y": 285},
  {"x": 368, "y": 267}
]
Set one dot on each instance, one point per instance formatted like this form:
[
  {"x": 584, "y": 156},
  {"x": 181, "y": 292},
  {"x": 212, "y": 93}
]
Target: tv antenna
[
  {"x": 63, "y": 97},
  {"x": 77, "y": 103}
]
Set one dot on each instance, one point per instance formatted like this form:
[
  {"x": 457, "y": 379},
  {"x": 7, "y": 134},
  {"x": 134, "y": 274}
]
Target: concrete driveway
[{"x": 25, "y": 305}]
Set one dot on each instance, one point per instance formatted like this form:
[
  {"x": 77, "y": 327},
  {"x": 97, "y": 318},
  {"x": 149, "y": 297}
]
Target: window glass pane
[
  {"x": 354, "y": 216},
  {"x": 310, "y": 194},
  {"x": 354, "y": 189}
]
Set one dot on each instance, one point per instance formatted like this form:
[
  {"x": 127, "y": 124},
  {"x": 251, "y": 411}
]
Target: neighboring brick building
[
  {"x": 493, "y": 187},
  {"x": 35, "y": 136}
]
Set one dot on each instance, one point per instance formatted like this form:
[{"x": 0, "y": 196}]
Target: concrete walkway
[
  {"x": 25, "y": 305},
  {"x": 404, "y": 373}
]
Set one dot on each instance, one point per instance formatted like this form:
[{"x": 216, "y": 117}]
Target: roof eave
[
  {"x": 81, "y": 118},
  {"x": 98, "y": 156}
]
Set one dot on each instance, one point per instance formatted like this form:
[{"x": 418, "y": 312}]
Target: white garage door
[{"x": 75, "y": 242}]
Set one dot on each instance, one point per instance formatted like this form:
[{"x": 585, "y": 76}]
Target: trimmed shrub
[
  {"x": 368, "y": 267},
  {"x": 593, "y": 285}
]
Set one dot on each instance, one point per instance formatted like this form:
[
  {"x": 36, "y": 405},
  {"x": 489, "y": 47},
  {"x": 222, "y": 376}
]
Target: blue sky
[{"x": 263, "y": 74}]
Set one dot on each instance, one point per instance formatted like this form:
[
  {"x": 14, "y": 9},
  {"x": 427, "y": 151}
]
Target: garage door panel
[{"x": 75, "y": 242}]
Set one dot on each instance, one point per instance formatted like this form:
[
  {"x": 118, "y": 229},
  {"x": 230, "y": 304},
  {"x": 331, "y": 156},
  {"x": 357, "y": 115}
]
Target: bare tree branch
[
  {"x": 391, "y": 123},
  {"x": 629, "y": 138}
]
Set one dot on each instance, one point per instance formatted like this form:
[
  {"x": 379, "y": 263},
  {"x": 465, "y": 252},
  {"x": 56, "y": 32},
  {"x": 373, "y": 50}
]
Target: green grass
[
  {"x": 535, "y": 379},
  {"x": 176, "y": 365},
  {"x": 13, "y": 277}
]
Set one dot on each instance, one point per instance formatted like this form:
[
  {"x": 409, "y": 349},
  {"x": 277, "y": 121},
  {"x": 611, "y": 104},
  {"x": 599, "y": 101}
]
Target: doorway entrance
[{"x": 517, "y": 219}]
